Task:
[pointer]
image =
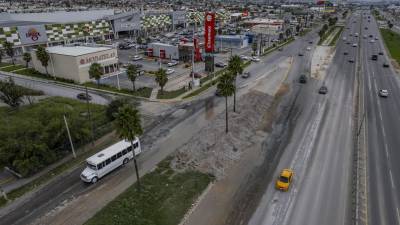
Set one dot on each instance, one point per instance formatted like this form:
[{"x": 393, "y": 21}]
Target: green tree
[
  {"x": 27, "y": 58},
  {"x": 10, "y": 93},
  {"x": 44, "y": 57},
  {"x": 226, "y": 88},
  {"x": 254, "y": 47},
  {"x": 235, "y": 67},
  {"x": 95, "y": 72},
  {"x": 113, "y": 107},
  {"x": 1, "y": 55},
  {"x": 128, "y": 126},
  {"x": 161, "y": 78},
  {"x": 132, "y": 72},
  {"x": 139, "y": 40},
  {"x": 8, "y": 46},
  {"x": 288, "y": 32}
]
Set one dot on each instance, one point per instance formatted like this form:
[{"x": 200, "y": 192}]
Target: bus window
[
  {"x": 113, "y": 158},
  {"x": 119, "y": 154}
]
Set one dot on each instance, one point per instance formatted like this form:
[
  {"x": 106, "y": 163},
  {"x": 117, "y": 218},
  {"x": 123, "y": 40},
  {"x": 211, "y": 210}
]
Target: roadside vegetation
[
  {"x": 171, "y": 94},
  {"x": 337, "y": 35},
  {"x": 34, "y": 136},
  {"x": 392, "y": 40},
  {"x": 12, "y": 68},
  {"x": 164, "y": 197},
  {"x": 327, "y": 29},
  {"x": 144, "y": 92}
]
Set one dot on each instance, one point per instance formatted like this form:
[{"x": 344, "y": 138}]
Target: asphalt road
[
  {"x": 382, "y": 123},
  {"x": 49, "y": 88},
  {"x": 70, "y": 186},
  {"x": 319, "y": 150}
]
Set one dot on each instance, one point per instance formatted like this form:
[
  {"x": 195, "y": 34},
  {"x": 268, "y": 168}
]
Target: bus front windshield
[{"x": 93, "y": 167}]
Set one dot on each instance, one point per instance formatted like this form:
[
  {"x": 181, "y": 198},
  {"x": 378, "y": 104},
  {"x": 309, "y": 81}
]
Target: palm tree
[
  {"x": 161, "y": 78},
  {"x": 132, "y": 73},
  {"x": 43, "y": 57},
  {"x": 27, "y": 58},
  {"x": 8, "y": 46},
  {"x": 95, "y": 72},
  {"x": 235, "y": 67},
  {"x": 226, "y": 88},
  {"x": 128, "y": 126}
]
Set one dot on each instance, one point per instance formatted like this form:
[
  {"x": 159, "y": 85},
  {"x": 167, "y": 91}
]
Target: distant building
[
  {"x": 74, "y": 62},
  {"x": 231, "y": 41}
]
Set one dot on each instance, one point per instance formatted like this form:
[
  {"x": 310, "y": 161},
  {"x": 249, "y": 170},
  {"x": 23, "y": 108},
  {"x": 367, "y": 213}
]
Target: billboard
[
  {"x": 33, "y": 34},
  {"x": 209, "y": 32}
]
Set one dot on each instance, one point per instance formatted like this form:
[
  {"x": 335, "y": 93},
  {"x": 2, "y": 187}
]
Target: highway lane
[
  {"x": 319, "y": 151},
  {"x": 49, "y": 88},
  {"x": 70, "y": 187},
  {"x": 382, "y": 126}
]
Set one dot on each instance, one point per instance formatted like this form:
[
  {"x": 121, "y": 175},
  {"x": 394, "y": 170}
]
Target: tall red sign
[{"x": 209, "y": 32}]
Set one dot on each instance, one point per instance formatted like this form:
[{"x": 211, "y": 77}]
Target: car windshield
[
  {"x": 283, "y": 179},
  {"x": 93, "y": 167}
]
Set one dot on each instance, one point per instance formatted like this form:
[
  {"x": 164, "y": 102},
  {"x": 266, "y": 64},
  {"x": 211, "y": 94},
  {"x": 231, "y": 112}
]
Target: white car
[
  {"x": 383, "y": 93},
  {"x": 308, "y": 48},
  {"x": 172, "y": 63},
  {"x": 372, "y": 41},
  {"x": 355, "y": 45},
  {"x": 244, "y": 57},
  {"x": 344, "y": 38},
  {"x": 136, "y": 57},
  {"x": 170, "y": 71},
  {"x": 255, "y": 59}
]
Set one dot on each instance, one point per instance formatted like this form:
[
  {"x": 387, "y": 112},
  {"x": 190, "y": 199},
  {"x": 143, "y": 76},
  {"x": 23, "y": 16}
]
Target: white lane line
[
  {"x": 391, "y": 177},
  {"x": 398, "y": 215}
]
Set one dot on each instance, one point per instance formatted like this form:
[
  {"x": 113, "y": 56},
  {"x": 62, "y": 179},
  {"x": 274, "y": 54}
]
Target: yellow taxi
[{"x": 284, "y": 180}]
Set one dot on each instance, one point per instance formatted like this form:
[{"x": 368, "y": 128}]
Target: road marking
[{"x": 391, "y": 177}]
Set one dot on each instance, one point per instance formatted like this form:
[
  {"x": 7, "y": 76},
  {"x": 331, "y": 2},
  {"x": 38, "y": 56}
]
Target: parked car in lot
[
  {"x": 172, "y": 63},
  {"x": 220, "y": 64},
  {"x": 255, "y": 59},
  {"x": 245, "y": 75},
  {"x": 196, "y": 75},
  {"x": 383, "y": 93},
  {"x": 84, "y": 96},
  {"x": 136, "y": 57},
  {"x": 169, "y": 71},
  {"x": 244, "y": 57},
  {"x": 323, "y": 90},
  {"x": 284, "y": 180}
]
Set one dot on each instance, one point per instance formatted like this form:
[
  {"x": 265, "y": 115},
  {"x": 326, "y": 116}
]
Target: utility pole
[{"x": 69, "y": 137}]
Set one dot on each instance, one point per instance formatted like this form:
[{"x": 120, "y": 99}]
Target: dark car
[
  {"x": 385, "y": 64},
  {"x": 345, "y": 53},
  {"x": 245, "y": 75},
  {"x": 303, "y": 79},
  {"x": 218, "y": 93},
  {"x": 280, "y": 49},
  {"x": 374, "y": 57},
  {"x": 123, "y": 46},
  {"x": 380, "y": 53},
  {"x": 310, "y": 42},
  {"x": 196, "y": 75},
  {"x": 351, "y": 60},
  {"x": 323, "y": 90},
  {"x": 300, "y": 54},
  {"x": 370, "y": 35},
  {"x": 84, "y": 96}
]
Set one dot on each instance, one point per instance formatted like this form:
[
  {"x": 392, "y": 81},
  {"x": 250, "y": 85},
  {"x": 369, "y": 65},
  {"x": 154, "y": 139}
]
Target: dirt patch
[
  {"x": 212, "y": 150},
  {"x": 270, "y": 115}
]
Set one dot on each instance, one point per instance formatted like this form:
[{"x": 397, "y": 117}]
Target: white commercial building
[{"x": 73, "y": 63}]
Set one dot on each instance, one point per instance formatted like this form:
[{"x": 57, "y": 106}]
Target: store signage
[
  {"x": 209, "y": 34},
  {"x": 32, "y": 34},
  {"x": 92, "y": 59}
]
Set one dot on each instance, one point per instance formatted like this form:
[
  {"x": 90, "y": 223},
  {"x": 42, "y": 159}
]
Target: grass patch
[
  {"x": 392, "y": 42},
  {"x": 170, "y": 94},
  {"x": 12, "y": 68},
  {"x": 326, "y": 35},
  {"x": 199, "y": 90},
  {"x": 3, "y": 64},
  {"x": 141, "y": 92},
  {"x": 165, "y": 198},
  {"x": 336, "y": 37},
  {"x": 34, "y": 73}
]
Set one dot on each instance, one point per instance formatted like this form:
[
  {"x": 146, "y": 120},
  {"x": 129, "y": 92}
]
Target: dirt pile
[{"x": 212, "y": 150}]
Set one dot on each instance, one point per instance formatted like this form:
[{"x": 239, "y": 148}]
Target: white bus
[{"x": 108, "y": 159}]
